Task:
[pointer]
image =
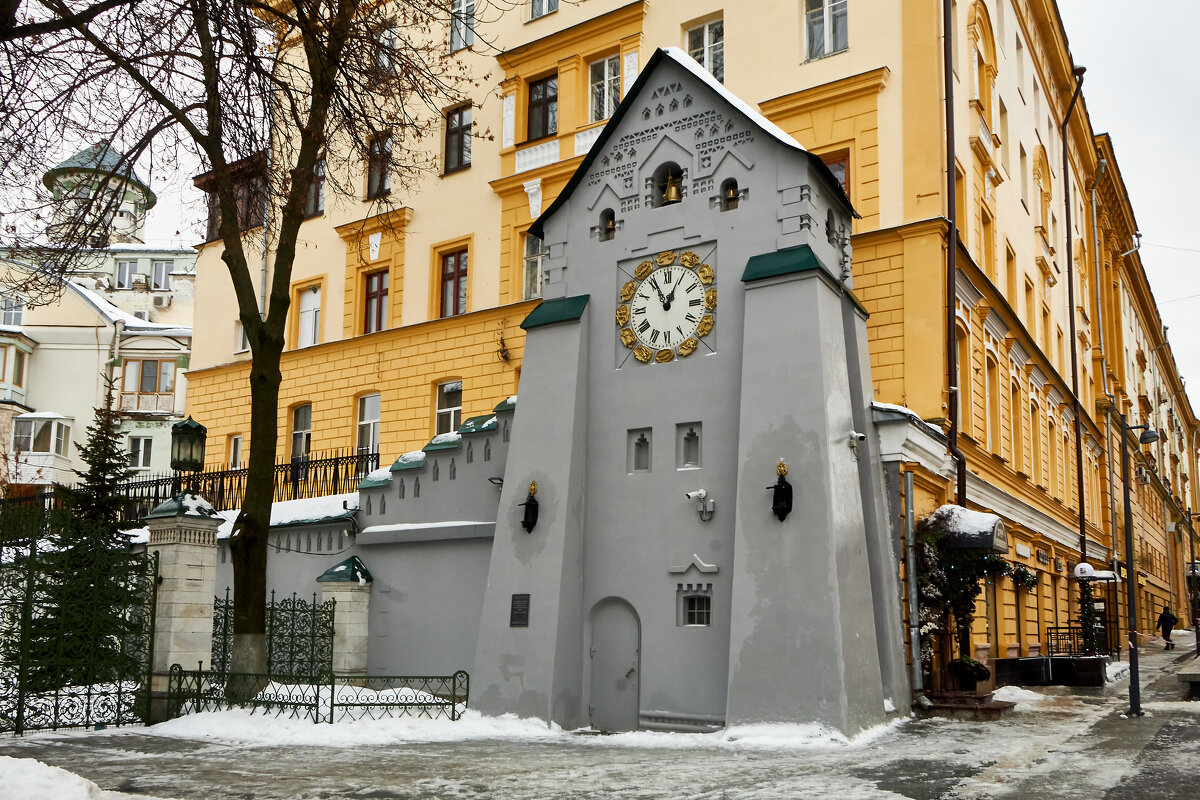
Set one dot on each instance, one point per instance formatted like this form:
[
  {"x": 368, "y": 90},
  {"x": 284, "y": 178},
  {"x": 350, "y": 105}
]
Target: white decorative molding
[
  {"x": 631, "y": 72},
  {"x": 1038, "y": 378},
  {"x": 706, "y": 569},
  {"x": 995, "y": 326},
  {"x": 1017, "y": 354},
  {"x": 585, "y": 139},
  {"x": 510, "y": 120},
  {"x": 533, "y": 191},
  {"x": 537, "y": 156},
  {"x": 965, "y": 291}
]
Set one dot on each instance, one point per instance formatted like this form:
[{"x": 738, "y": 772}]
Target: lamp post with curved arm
[{"x": 1147, "y": 436}]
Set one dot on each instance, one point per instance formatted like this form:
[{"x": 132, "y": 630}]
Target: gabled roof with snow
[
  {"x": 682, "y": 59},
  {"x": 133, "y": 325}
]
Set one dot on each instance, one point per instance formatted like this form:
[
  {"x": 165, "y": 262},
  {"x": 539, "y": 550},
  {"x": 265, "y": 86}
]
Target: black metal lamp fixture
[
  {"x": 187, "y": 445},
  {"x": 781, "y": 493},
  {"x": 530, "y": 518}
]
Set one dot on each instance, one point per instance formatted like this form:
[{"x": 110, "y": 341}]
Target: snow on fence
[{"x": 321, "y": 699}]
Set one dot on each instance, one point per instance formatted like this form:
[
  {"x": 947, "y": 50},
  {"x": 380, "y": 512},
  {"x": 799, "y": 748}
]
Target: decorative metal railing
[
  {"x": 1067, "y": 640},
  {"x": 326, "y": 698},
  {"x": 76, "y": 626},
  {"x": 317, "y": 476},
  {"x": 299, "y": 636}
]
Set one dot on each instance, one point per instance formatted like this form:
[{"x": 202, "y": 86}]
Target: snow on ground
[
  {"x": 1116, "y": 670},
  {"x": 29, "y": 779},
  {"x": 1026, "y": 699}
]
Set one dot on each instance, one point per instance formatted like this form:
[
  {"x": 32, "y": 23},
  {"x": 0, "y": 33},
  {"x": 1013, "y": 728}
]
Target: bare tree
[{"x": 264, "y": 94}]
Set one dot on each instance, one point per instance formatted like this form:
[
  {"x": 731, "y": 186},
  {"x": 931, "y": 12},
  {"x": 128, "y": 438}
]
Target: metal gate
[{"x": 76, "y": 627}]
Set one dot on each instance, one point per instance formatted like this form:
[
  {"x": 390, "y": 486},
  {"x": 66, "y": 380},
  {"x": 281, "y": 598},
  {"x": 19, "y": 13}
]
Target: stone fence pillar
[
  {"x": 349, "y": 583},
  {"x": 183, "y": 531}
]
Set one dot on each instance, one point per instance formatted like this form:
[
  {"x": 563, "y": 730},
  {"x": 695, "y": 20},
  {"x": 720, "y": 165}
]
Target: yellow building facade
[{"x": 412, "y": 315}]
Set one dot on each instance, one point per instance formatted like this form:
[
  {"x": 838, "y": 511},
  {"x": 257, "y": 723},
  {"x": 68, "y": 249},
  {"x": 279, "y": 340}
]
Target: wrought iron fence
[
  {"x": 1067, "y": 640},
  {"x": 76, "y": 627},
  {"x": 299, "y": 636},
  {"x": 327, "y": 698},
  {"x": 316, "y": 476}
]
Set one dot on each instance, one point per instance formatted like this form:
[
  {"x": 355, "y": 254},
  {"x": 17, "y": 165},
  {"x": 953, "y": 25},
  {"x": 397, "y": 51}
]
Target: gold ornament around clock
[{"x": 667, "y": 307}]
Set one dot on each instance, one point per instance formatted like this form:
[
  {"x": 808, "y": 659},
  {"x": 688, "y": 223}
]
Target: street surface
[{"x": 1059, "y": 743}]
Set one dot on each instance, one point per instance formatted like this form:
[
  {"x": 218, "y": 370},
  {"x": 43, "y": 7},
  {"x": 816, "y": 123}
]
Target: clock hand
[
  {"x": 671, "y": 296},
  {"x": 661, "y": 299}
]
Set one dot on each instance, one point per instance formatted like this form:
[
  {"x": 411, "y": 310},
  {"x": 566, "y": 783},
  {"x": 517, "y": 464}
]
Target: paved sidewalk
[{"x": 1067, "y": 743}]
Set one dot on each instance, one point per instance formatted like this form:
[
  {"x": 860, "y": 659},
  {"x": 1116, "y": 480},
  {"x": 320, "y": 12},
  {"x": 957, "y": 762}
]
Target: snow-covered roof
[
  {"x": 150, "y": 247},
  {"x": 133, "y": 325},
  {"x": 912, "y": 415},
  {"x": 308, "y": 511},
  {"x": 43, "y": 415},
  {"x": 184, "y": 504}
]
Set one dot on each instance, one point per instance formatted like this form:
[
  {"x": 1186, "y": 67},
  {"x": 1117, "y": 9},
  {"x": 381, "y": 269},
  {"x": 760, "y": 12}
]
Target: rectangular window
[
  {"x": 18, "y": 369},
  {"x": 41, "y": 436},
  {"x": 535, "y": 254},
  {"x": 162, "y": 275},
  {"x": 314, "y": 204},
  {"x": 301, "y": 431},
  {"x": 449, "y": 407},
  {"x": 543, "y": 108},
  {"x": 540, "y": 8},
  {"x": 462, "y": 24},
  {"x": 839, "y": 165},
  {"x": 697, "y": 610},
  {"x": 11, "y": 309},
  {"x": 377, "y": 302},
  {"x": 309, "y": 332},
  {"x": 379, "y": 167},
  {"x": 125, "y": 273},
  {"x": 825, "y": 27},
  {"x": 605, "y": 88},
  {"x": 149, "y": 376},
  {"x": 235, "y": 451},
  {"x": 458, "y": 139},
  {"x": 368, "y": 424},
  {"x": 139, "y": 452},
  {"x": 242, "y": 343},
  {"x": 706, "y": 44},
  {"x": 454, "y": 283}
]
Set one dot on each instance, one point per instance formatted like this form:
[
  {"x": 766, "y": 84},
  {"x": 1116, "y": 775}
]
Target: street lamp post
[
  {"x": 1191, "y": 582},
  {"x": 1146, "y": 437}
]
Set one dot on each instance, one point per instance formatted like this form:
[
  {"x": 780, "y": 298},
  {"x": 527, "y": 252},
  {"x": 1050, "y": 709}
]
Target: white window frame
[
  {"x": 448, "y": 417},
  {"x": 825, "y": 11},
  {"x": 125, "y": 272},
  {"x": 235, "y": 451},
  {"x": 242, "y": 342},
  {"x": 309, "y": 325},
  {"x": 540, "y": 8},
  {"x": 535, "y": 257},
  {"x": 141, "y": 450},
  {"x": 462, "y": 24},
  {"x": 11, "y": 310},
  {"x": 711, "y": 44},
  {"x": 604, "y": 85},
  {"x": 367, "y": 439},
  {"x": 301, "y": 436},
  {"x": 58, "y": 438},
  {"x": 162, "y": 275}
]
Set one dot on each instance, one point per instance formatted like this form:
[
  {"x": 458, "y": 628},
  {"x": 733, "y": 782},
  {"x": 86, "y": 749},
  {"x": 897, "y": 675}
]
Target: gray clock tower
[{"x": 710, "y": 546}]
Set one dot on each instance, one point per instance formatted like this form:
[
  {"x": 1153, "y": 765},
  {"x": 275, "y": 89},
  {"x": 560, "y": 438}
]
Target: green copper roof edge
[
  {"x": 397, "y": 466},
  {"x": 562, "y": 309},
  {"x": 336, "y": 573},
  {"x": 484, "y": 427},
  {"x": 504, "y": 405},
  {"x": 792, "y": 260},
  {"x": 374, "y": 483}
]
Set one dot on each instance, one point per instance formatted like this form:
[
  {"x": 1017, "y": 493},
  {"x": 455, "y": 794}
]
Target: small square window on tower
[
  {"x": 693, "y": 605},
  {"x": 638, "y": 446},
  {"x": 687, "y": 445}
]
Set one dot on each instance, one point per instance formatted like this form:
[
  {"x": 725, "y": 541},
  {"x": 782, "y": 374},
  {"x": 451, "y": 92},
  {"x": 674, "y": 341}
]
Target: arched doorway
[{"x": 616, "y": 666}]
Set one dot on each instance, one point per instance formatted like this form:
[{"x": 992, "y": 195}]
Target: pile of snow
[
  {"x": 446, "y": 438},
  {"x": 28, "y": 778},
  {"x": 381, "y": 474},
  {"x": 1024, "y": 698},
  {"x": 310, "y": 509},
  {"x": 1115, "y": 671},
  {"x": 197, "y": 506},
  {"x": 957, "y": 519},
  {"x": 912, "y": 415},
  {"x": 412, "y": 457}
]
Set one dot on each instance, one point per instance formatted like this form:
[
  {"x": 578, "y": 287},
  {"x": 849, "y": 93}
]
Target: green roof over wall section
[
  {"x": 352, "y": 570},
  {"x": 507, "y": 404},
  {"x": 782, "y": 262},
  {"x": 443, "y": 441},
  {"x": 563, "y": 309},
  {"x": 413, "y": 460},
  {"x": 481, "y": 424}
]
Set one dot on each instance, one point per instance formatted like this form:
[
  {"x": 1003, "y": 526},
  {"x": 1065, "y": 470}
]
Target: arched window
[
  {"x": 963, "y": 340},
  {"x": 1052, "y": 440},
  {"x": 983, "y": 59},
  {"x": 1017, "y": 429},
  {"x": 608, "y": 225},
  {"x": 1035, "y": 444},
  {"x": 992, "y": 395}
]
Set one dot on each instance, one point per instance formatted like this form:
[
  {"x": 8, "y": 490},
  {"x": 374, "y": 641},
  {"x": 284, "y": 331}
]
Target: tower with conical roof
[{"x": 98, "y": 196}]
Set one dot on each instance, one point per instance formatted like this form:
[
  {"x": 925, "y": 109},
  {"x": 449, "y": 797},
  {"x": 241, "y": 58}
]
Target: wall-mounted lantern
[
  {"x": 529, "y": 520},
  {"x": 781, "y": 493}
]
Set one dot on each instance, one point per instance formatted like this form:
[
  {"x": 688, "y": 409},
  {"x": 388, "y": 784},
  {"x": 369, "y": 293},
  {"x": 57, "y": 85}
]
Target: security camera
[
  {"x": 699, "y": 494},
  {"x": 855, "y": 436}
]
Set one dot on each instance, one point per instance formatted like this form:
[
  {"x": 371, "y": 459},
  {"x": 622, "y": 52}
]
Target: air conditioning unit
[
  {"x": 142, "y": 314},
  {"x": 162, "y": 301}
]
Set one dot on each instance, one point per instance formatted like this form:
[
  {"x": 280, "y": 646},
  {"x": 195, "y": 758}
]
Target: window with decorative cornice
[{"x": 825, "y": 27}]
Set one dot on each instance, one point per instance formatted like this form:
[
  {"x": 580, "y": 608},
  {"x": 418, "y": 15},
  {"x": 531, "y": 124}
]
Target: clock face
[{"x": 667, "y": 307}]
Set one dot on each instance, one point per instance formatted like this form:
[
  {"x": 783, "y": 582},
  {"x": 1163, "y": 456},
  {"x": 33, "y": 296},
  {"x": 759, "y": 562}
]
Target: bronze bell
[
  {"x": 731, "y": 196},
  {"x": 671, "y": 193},
  {"x": 610, "y": 227}
]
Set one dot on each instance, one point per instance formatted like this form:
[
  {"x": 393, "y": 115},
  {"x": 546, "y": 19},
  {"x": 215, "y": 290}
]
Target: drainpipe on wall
[{"x": 951, "y": 255}]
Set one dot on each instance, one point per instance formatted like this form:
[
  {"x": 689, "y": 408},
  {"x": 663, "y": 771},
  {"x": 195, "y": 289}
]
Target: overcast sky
[{"x": 1141, "y": 87}]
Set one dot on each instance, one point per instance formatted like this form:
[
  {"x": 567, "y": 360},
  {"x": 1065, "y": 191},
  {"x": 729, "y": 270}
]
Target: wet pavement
[{"x": 1074, "y": 744}]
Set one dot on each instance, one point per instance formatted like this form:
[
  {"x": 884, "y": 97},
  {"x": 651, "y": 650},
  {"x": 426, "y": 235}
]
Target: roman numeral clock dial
[{"x": 667, "y": 308}]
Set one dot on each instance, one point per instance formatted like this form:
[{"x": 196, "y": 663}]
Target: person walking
[{"x": 1167, "y": 621}]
